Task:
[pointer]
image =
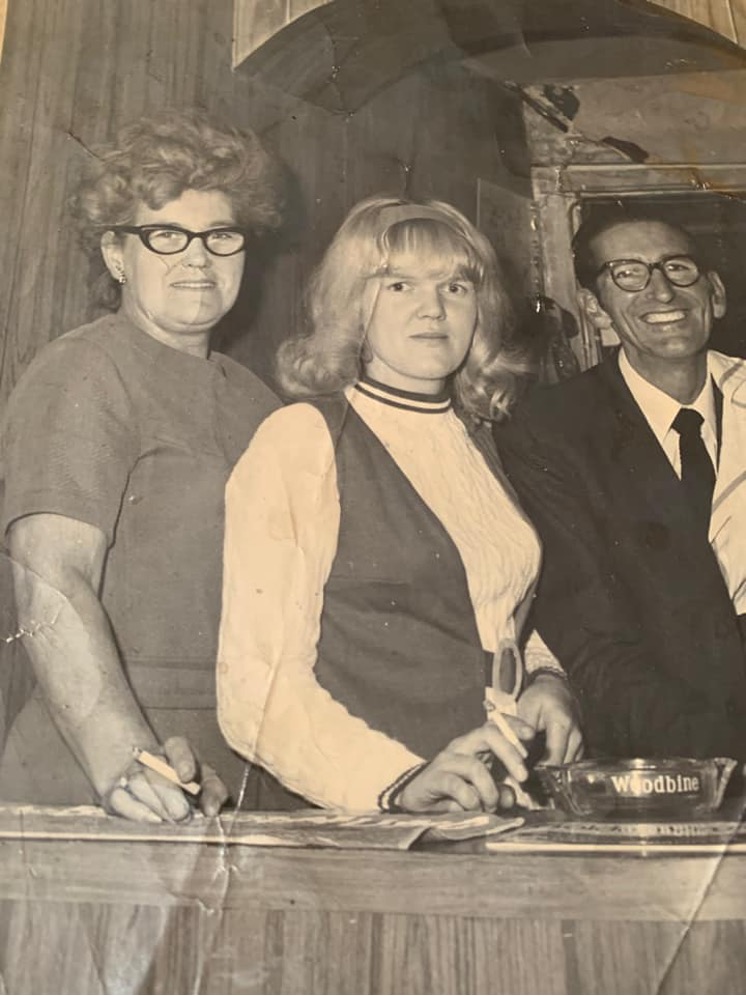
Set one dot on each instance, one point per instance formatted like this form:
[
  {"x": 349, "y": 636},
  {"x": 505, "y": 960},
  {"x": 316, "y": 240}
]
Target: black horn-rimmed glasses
[
  {"x": 635, "y": 274},
  {"x": 167, "y": 240}
]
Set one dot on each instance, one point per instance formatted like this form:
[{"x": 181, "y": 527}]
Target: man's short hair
[{"x": 586, "y": 264}]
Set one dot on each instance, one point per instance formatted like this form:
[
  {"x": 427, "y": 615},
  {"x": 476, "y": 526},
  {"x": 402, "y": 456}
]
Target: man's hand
[
  {"x": 549, "y": 705},
  {"x": 459, "y": 777}
]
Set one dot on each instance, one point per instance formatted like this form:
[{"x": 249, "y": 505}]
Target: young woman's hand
[{"x": 459, "y": 777}]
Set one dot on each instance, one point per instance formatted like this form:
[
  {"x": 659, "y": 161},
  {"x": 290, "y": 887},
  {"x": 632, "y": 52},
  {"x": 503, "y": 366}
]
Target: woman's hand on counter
[
  {"x": 459, "y": 777},
  {"x": 147, "y": 797},
  {"x": 549, "y": 706},
  {"x": 184, "y": 761},
  {"x": 58, "y": 566},
  {"x": 144, "y": 795}
]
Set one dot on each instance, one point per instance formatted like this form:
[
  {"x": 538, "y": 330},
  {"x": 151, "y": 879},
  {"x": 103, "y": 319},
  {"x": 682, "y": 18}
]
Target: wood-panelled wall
[
  {"x": 72, "y": 72},
  {"x": 728, "y": 17},
  {"x": 75, "y": 70}
]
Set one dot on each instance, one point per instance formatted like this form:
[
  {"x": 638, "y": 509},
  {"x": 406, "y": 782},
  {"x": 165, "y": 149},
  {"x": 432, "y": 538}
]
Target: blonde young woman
[{"x": 375, "y": 558}]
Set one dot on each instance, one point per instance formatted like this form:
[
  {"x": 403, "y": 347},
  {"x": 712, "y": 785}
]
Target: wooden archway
[
  {"x": 337, "y": 54},
  {"x": 255, "y": 23}
]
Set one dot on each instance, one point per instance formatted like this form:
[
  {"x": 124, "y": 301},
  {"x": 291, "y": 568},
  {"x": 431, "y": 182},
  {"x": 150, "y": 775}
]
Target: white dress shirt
[
  {"x": 660, "y": 410},
  {"x": 728, "y": 522}
]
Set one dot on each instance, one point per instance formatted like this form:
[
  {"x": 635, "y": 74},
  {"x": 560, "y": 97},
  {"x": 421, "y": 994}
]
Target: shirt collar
[{"x": 659, "y": 408}]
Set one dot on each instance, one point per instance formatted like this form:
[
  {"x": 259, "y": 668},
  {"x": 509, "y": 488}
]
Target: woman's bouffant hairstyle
[
  {"x": 155, "y": 159},
  {"x": 341, "y": 297}
]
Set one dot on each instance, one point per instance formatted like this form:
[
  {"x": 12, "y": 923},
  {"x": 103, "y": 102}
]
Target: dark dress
[{"x": 113, "y": 428}]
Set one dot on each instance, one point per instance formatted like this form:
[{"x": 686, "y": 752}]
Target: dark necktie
[{"x": 697, "y": 472}]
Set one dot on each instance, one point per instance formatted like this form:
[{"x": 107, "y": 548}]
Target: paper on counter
[{"x": 303, "y": 828}]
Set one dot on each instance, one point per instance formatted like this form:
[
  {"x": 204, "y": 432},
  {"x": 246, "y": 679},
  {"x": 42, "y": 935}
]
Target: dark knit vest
[{"x": 399, "y": 645}]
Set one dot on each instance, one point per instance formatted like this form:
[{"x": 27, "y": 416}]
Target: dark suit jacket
[{"x": 631, "y": 600}]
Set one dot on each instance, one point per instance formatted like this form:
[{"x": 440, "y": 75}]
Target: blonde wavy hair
[{"x": 331, "y": 356}]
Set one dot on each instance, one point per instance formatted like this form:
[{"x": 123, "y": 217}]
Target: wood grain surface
[
  {"x": 212, "y": 875},
  {"x": 165, "y": 915},
  {"x": 161, "y": 917},
  {"x": 74, "y": 71},
  {"x": 724, "y": 16}
]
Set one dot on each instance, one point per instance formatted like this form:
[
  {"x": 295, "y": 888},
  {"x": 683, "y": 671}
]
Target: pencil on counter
[{"x": 157, "y": 764}]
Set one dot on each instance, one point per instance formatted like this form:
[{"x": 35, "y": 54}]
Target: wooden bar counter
[{"x": 95, "y": 905}]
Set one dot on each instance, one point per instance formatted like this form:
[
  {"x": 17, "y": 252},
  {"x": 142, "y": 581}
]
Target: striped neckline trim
[{"x": 428, "y": 404}]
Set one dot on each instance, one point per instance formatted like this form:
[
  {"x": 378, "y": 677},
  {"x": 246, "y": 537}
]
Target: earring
[{"x": 121, "y": 277}]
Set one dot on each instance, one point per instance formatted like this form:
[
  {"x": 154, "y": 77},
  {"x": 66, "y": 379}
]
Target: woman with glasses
[
  {"x": 378, "y": 571},
  {"x": 116, "y": 447}
]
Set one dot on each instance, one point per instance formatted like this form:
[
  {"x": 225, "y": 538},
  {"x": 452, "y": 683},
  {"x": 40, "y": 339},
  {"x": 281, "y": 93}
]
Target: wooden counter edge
[{"x": 480, "y": 885}]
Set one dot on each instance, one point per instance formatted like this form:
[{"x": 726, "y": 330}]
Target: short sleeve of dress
[{"x": 68, "y": 439}]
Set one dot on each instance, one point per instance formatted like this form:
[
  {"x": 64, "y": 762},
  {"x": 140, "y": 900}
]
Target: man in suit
[{"x": 641, "y": 510}]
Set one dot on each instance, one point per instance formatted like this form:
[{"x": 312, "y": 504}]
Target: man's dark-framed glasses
[
  {"x": 635, "y": 274},
  {"x": 166, "y": 240}
]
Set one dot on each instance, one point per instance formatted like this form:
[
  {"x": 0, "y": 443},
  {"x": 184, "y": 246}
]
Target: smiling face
[
  {"x": 177, "y": 298},
  {"x": 662, "y": 324},
  {"x": 421, "y": 325}
]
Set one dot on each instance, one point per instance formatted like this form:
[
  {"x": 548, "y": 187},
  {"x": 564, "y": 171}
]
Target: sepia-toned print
[{"x": 373, "y": 462}]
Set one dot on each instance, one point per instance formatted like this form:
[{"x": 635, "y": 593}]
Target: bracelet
[{"x": 387, "y": 799}]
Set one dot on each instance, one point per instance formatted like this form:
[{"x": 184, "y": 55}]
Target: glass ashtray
[{"x": 674, "y": 787}]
